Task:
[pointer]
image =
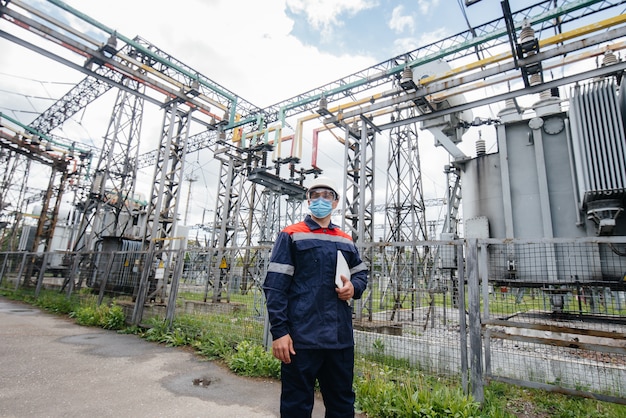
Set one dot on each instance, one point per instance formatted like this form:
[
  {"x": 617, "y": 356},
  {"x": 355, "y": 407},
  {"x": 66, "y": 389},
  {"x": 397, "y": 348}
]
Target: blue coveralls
[{"x": 301, "y": 301}]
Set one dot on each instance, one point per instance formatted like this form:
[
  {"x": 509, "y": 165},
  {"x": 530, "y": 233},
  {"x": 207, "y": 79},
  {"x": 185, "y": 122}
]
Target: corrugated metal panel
[
  {"x": 598, "y": 140},
  {"x": 622, "y": 98}
]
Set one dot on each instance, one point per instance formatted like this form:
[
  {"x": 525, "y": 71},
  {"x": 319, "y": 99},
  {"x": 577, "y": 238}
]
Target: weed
[
  {"x": 253, "y": 360},
  {"x": 57, "y": 303},
  {"x": 213, "y": 348},
  {"x": 104, "y": 316}
]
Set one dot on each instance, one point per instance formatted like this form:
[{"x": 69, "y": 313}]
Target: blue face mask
[{"x": 320, "y": 207}]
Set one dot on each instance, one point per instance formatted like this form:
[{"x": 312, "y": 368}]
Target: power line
[
  {"x": 28, "y": 95},
  {"x": 20, "y": 111},
  {"x": 63, "y": 83}
]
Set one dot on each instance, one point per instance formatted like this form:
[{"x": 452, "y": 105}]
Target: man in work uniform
[{"x": 310, "y": 317}]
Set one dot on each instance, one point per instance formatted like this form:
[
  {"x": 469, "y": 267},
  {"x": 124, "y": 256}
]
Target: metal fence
[
  {"x": 553, "y": 314},
  {"x": 549, "y": 314}
]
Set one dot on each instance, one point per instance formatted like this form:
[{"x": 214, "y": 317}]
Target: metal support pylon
[
  {"x": 405, "y": 218},
  {"x": 49, "y": 212},
  {"x": 270, "y": 226},
  {"x": 294, "y": 211},
  {"x": 162, "y": 211},
  {"x": 358, "y": 219},
  {"x": 252, "y": 226},
  {"x": 13, "y": 193},
  {"x": 113, "y": 182},
  {"x": 226, "y": 224}
]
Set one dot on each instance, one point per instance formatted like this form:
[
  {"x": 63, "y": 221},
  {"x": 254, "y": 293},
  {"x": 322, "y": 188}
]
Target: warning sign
[{"x": 223, "y": 264}]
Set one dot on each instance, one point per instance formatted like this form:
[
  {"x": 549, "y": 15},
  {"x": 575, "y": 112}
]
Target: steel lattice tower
[
  {"x": 226, "y": 223},
  {"x": 162, "y": 213},
  {"x": 405, "y": 217},
  {"x": 115, "y": 175},
  {"x": 358, "y": 219}
]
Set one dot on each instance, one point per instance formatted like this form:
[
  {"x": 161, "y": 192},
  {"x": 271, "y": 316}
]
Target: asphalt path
[{"x": 52, "y": 367}]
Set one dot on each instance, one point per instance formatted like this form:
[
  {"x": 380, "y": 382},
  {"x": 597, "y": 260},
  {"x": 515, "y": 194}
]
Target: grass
[
  {"x": 382, "y": 390},
  {"x": 500, "y": 303}
]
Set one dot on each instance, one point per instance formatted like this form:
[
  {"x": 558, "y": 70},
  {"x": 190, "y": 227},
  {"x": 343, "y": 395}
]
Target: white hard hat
[{"x": 325, "y": 182}]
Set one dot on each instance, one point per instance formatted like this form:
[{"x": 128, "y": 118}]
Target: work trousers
[{"x": 333, "y": 369}]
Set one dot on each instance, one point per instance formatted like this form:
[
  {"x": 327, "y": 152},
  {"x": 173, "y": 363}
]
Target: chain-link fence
[
  {"x": 549, "y": 314},
  {"x": 554, "y": 315}
]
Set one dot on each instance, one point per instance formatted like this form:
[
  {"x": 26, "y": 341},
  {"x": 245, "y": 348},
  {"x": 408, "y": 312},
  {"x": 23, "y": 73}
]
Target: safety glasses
[{"x": 323, "y": 193}]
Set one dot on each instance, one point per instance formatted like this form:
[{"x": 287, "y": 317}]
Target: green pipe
[
  {"x": 242, "y": 122},
  {"x": 442, "y": 53},
  {"x": 134, "y": 44},
  {"x": 41, "y": 135}
]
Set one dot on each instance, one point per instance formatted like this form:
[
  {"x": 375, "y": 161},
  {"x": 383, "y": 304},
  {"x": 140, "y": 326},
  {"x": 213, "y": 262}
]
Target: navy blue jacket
[{"x": 300, "y": 286}]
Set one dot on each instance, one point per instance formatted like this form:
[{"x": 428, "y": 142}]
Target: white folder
[{"x": 341, "y": 270}]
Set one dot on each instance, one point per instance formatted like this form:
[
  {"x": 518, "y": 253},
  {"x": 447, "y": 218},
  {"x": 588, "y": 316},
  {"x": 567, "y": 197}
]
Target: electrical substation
[{"x": 540, "y": 214}]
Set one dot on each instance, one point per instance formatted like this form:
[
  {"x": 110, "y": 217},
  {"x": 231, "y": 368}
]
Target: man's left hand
[{"x": 347, "y": 291}]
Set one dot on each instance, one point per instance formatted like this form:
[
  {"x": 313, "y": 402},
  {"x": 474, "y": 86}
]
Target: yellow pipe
[
  {"x": 481, "y": 84},
  {"x": 603, "y": 24},
  {"x": 570, "y": 59},
  {"x": 167, "y": 79},
  {"x": 330, "y": 127},
  {"x": 556, "y": 39},
  {"x": 339, "y": 108},
  {"x": 262, "y": 131},
  {"x": 584, "y": 30}
]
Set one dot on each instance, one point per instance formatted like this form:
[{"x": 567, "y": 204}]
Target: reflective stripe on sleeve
[
  {"x": 281, "y": 268},
  {"x": 358, "y": 268}
]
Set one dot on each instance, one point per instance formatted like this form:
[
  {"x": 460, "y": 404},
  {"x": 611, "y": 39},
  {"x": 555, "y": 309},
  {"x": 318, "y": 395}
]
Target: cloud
[
  {"x": 325, "y": 15},
  {"x": 399, "y": 22},
  {"x": 246, "y": 47},
  {"x": 427, "y": 6},
  {"x": 404, "y": 44},
  {"x": 433, "y": 36}
]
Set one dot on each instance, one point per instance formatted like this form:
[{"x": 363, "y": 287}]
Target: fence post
[
  {"x": 143, "y": 286},
  {"x": 473, "y": 293},
  {"x": 4, "y": 264},
  {"x": 462, "y": 318},
  {"x": 69, "y": 282},
  {"x": 21, "y": 272},
  {"x": 178, "y": 272},
  {"x": 42, "y": 271},
  {"x": 105, "y": 277}
]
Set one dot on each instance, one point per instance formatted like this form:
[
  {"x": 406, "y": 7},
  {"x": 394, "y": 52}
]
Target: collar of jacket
[{"x": 314, "y": 225}]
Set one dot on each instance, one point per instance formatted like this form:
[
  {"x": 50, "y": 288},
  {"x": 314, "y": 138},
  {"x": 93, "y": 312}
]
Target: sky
[{"x": 264, "y": 51}]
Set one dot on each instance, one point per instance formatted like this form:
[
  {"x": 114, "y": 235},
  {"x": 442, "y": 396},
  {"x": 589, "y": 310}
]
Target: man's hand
[
  {"x": 282, "y": 348},
  {"x": 347, "y": 291}
]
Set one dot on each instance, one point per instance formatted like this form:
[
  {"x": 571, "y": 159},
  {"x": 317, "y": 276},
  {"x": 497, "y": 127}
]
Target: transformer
[{"x": 557, "y": 175}]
